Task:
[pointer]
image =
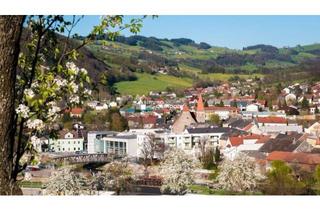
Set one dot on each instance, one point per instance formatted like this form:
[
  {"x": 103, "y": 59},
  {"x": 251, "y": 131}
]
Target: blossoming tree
[
  {"x": 239, "y": 175},
  {"x": 177, "y": 172},
  {"x": 67, "y": 182},
  {"x": 44, "y": 78}
]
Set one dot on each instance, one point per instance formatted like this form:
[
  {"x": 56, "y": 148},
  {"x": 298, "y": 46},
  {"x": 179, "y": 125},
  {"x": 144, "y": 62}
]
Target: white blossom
[
  {"x": 23, "y": 110},
  {"x": 67, "y": 182},
  {"x": 34, "y": 138},
  {"x": 177, "y": 172},
  {"x": 36, "y": 124},
  {"x": 53, "y": 111},
  {"x": 71, "y": 66},
  {"x": 87, "y": 91},
  {"x": 74, "y": 99},
  {"x": 74, "y": 87},
  {"x": 239, "y": 175},
  {"x": 84, "y": 71},
  {"x": 35, "y": 84},
  {"x": 29, "y": 93},
  {"x": 60, "y": 82}
]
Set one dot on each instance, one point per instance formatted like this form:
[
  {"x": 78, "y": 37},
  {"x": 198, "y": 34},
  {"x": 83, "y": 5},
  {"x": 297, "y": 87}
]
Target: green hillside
[
  {"x": 147, "y": 82},
  {"x": 140, "y": 64}
]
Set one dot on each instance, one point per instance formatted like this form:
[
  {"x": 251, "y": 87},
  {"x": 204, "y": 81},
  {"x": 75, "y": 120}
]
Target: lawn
[
  {"x": 148, "y": 82},
  {"x": 29, "y": 184}
]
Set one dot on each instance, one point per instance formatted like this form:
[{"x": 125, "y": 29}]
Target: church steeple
[
  {"x": 200, "y": 106},
  {"x": 201, "y": 115}
]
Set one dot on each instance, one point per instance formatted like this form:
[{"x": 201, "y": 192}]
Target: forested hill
[{"x": 184, "y": 62}]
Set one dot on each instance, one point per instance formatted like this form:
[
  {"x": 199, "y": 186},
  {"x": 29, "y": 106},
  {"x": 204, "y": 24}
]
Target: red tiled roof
[
  {"x": 271, "y": 120},
  {"x": 295, "y": 157},
  {"x": 76, "y": 110},
  {"x": 236, "y": 141}
]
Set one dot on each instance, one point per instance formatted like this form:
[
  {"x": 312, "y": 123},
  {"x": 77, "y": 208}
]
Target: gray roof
[
  {"x": 282, "y": 142},
  {"x": 214, "y": 129},
  {"x": 240, "y": 123},
  {"x": 127, "y": 136}
]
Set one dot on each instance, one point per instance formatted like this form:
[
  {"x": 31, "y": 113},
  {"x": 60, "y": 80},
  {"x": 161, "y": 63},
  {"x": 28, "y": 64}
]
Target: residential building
[{"x": 68, "y": 141}]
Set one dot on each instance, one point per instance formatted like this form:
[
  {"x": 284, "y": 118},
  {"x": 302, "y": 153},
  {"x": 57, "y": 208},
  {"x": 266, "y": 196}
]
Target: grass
[
  {"x": 28, "y": 184},
  {"x": 205, "y": 190},
  {"x": 225, "y": 77},
  {"x": 148, "y": 82}
]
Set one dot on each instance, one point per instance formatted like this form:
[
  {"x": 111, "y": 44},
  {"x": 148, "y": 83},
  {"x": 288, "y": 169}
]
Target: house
[
  {"x": 142, "y": 121},
  {"x": 252, "y": 108},
  {"x": 251, "y": 115},
  {"x": 313, "y": 129},
  {"x": 185, "y": 119},
  {"x": 305, "y": 161},
  {"x": 283, "y": 142},
  {"x": 68, "y": 141},
  {"x": 243, "y": 143},
  {"x": 267, "y": 125},
  {"x": 75, "y": 112},
  {"x": 224, "y": 112}
]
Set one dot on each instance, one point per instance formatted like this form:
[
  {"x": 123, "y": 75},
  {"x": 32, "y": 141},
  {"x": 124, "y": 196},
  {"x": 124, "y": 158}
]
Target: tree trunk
[{"x": 10, "y": 33}]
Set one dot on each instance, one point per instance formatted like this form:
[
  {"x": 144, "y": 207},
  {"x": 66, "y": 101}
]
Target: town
[{"x": 211, "y": 125}]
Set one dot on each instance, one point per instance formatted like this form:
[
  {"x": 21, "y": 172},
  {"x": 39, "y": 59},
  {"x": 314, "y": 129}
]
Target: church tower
[{"x": 201, "y": 115}]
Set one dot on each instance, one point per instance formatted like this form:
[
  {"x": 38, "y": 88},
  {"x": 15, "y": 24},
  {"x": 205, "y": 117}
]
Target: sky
[{"x": 227, "y": 31}]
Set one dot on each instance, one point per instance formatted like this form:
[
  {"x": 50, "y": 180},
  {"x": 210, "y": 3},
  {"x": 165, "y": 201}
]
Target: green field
[
  {"x": 148, "y": 82},
  {"x": 225, "y": 77}
]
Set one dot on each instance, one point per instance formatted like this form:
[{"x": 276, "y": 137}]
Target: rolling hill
[{"x": 139, "y": 64}]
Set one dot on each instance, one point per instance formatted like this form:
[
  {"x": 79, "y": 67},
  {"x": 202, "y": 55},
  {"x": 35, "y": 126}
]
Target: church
[{"x": 187, "y": 117}]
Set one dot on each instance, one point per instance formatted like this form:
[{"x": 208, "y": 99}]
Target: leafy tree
[
  {"x": 206, "y": 103},
  {"x": 239, "y": 175},
  {"x": 117, "y": 121},
  {"x": 214, "y": 119},
  {"x": 316, "y": 176},
  {"x": 217, "y": 155},
  {"x": 207, "y": 160},
  {"x": 221, "y": 104},
  {"x": 177, "y": 172},
  {"x": 305, "y": 103},
  {"x": 316, "y": 110},
  {"x": 281, "y": 180}
]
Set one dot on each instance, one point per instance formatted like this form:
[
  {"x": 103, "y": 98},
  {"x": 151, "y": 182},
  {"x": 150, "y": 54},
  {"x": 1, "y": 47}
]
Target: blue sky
[{"x": 228, "y": 31}]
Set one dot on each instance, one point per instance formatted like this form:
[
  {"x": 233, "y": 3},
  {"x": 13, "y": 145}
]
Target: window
[
  {"x": 78, "y": 142},
  {"x": 79, "y": 148},
  {"x": 74, "y": 149},
  {"x": 62, "y": 149},
  {"x": 68, "y": 142}
]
